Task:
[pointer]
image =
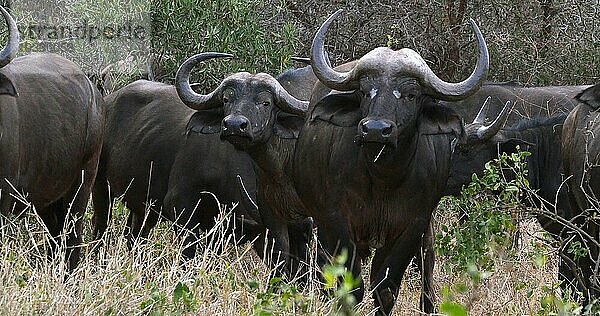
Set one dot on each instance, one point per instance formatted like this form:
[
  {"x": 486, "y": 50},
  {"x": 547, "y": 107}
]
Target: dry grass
[{"x": 113, "y": 280}]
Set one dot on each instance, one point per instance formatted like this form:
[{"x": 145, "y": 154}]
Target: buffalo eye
[
  {"x": 264, "y": 99},
  {"x": 227, "y": 95}
]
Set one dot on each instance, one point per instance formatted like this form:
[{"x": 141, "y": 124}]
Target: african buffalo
[
  {"x": 145, "y": 131},
  {"x": 259, "y": 116},
  {"x": 541, "y": 136},
  {"x": 580, "y": 154},
  {"x": 372, "y": 158},
  {"x": 526, "y": 102},
  {"x": 50, "y": 139},
  {"x": 157, "y": 158}
]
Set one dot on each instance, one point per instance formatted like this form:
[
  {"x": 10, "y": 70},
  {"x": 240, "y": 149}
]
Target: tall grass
[{"x": 223, "y": 278}]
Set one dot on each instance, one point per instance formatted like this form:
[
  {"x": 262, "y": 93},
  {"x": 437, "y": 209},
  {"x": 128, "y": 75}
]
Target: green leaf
[
  {"x": 452, "y": 309},
  {"x": 181, "y": 291}
]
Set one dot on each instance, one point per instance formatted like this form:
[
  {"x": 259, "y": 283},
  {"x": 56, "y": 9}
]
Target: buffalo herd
[{"x": 361, "y": 153}]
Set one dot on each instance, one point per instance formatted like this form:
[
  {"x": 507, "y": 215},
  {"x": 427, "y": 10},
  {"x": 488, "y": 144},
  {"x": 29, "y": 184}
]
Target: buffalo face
[
  {"x": 483, "y": 142},
  {"x": 389, "y": 105},
  {"x": 249, "y": 107},
  {"x": 249, "y": 111},
  {"x": 398, "y": 92}
]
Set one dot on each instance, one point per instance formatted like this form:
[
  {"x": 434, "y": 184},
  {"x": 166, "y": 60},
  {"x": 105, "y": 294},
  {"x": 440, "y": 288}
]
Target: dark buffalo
[
  {"x": 527, "y": 103},
  {"x": 158, "y": 159},
  {"x": 535, "y": 125},
  {"x": 371, "y": 161},
  {"x": 580, "y": 158},
  {"x": 259, "y": 116},
  {"x": 50, "y": 138},
  {"x": 145, "y": 131}
]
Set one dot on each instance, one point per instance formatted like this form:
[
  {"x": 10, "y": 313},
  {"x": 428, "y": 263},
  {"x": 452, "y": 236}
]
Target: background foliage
[
  {"x": 183, "y": 28},
  {"x": 536, "y": 42}
]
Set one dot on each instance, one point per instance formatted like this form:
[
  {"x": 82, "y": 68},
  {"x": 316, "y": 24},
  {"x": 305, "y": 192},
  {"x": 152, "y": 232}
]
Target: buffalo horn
[
  {"x": 480, "y": 119},
  {"x": 190, "y": 98},
  {"x": 341, "y": 81},
  {"x": 413, "y": 64},
  {"x": 486, "y": 132},
  {"x": 460, "y": 90},
  {"x": 12, "y": 46},
  {"x": 303, "y": 60},
  {"x": 287, "y": 102}
]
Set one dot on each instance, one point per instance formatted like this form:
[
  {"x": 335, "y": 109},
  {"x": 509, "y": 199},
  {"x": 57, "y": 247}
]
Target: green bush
[
  {"x": 184, "y": 28},
  {"x": 486, "y": 204}
]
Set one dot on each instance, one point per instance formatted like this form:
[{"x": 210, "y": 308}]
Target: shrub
[{"x": 184, "y": 28}]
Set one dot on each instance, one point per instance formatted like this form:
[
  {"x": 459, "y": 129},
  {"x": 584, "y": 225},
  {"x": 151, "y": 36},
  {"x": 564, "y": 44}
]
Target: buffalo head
[
  {"x": 246, "y": 108},
  {"x": 394, "y": 90},
  {"x": 483, "y": 142}
]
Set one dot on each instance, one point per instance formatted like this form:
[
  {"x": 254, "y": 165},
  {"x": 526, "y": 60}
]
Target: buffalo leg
[
  {"x": 58, "y": 216},
  {"x": 53, "y": 218},
  {"x": 334, "y": 238},
  {"x": 390, "y": 263},
  {"x": 75, "y": 204},
  {"x": 192, "y": 216},
  {"x": 426, "y": 262},
  {"x": 278, "y": 243},
  {"x": 102, "y": 207},
  {"x": 140, "y": 224},
  {"x": 300, "y": 234}
]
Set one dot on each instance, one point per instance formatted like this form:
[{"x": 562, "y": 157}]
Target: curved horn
[
  {"x": 288, "y": 102},
  {"x": 192, "y": 99},
  {"x": 12, "y": 46},
  {"x": 341, "y": 81},
  {"x": 486, "y": 132},
  {"x": 460, "y": 90},
  {"x": 480, "y": 119},
  {"x": 304, "y": 60}
]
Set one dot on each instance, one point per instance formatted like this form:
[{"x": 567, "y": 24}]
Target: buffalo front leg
[
  {"x": 426, "y": 262},
  {"x": 389, "y": 265},
  {"x": 277, "y": 247},
  {"x": 334, "y": 238},
  {"x": 192, "y": 216},
  {"x": 102, "y": 207},
  {"x": 139, "y": 224}
]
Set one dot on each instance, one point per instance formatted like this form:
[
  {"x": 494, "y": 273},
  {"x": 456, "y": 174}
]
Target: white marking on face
[
  {"x": 373, "y": 93},
  {"x": 397, "y": 94}
]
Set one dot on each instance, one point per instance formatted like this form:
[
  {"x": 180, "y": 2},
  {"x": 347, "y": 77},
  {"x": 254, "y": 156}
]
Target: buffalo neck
[
  {"x": 393, "y": 164},
  {"x": 273, "y": 157}
]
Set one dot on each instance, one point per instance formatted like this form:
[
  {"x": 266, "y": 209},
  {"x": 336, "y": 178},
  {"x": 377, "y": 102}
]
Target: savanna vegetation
[{"x": 484, "y": 266}]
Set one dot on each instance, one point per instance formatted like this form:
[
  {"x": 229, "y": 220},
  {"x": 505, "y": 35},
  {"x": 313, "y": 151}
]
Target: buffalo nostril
[
  {"x": 243, "y": 125},
  {"x": 364, "y": 128},
  {"x": 386, "y": 131}
]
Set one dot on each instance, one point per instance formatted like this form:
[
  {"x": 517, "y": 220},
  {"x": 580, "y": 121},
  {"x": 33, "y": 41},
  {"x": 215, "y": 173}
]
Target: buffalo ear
[
  {"x": 340, "y": 109},
  {"x": 6, "y": 86},
  {"x": 439, "y": 119},
  {"x": 287, "y": 126},
  {"x": 205, "y": 121},
  {"x": 591, "y": 96}
]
